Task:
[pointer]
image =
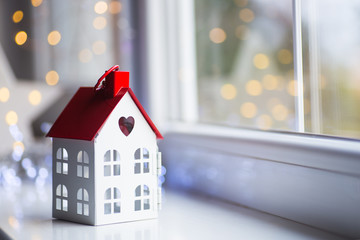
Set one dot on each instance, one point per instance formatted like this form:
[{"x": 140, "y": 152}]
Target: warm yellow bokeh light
[
  {"x": 20, "y": 38},
  {"x": 253, "y": 88},
  {"x": 242, "y": 32},
  {"x": 264, "y": 122},
  {"x": 285, "y": 56},
  {"x": 292, "y": 87},
  {"x": 246, "y": 15},
  {"x": 4, "y": 94},
  {"x": 248, "y": 110},
  {"x": 36, "y": 3},
  {"x": 52, "y": 78},
  {"x": 100, "y": 7},
  {"x": 270, "y": 82},
  {"x": 272, "y": 102},
  {"x": 228, "y": 91},
  {"x": 17, "y": 145},
  {"x": 241, "y": 3},
  {"x": 13, "y": 222},
  {"x": 11, "y": 118},
  {"x": 34, "y": 97},
  {"x": 115, "y": 7},
  {"x": 54, "y": 38},
  {"x": 99, "y": 23},
  {"x": 217, "y": 35},
  {"x": 261, "y": 61},
  {"x": 85, "y": 55},
  {"x": 18, "y": 16},
  {"x": 99, "y": 47},
  {"x": 279, "y": 112}
]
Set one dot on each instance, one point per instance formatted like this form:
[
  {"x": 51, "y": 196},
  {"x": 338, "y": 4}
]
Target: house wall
[
  {"x": 111, "y": 138},
  {"x": 72, "y": 182}
]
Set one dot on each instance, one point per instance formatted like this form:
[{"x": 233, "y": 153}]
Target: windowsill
[
  {"x": 308, "y": 179},
  {"x": 314, "y": 151},
  {"x": 182, "y": 217}
]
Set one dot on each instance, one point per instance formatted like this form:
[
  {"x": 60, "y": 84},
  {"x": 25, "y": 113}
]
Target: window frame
[
  {"x": 185, "y": 140},
  {"x": 114, "y": 163},
  {"x": 82, "y": 164},
  {"x": 82, "y": 202},
  {"x": 113, "y": 202}
]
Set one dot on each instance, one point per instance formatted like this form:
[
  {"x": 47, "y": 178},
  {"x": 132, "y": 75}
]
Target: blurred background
[{"x": 231, "y": 63}]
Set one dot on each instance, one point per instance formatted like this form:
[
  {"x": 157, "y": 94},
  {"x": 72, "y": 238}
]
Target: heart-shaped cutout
[{"x": 126, "y": 125}]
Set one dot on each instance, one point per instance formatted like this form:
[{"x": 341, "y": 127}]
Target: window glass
[
  {"x": 331, "y": 66},
  {"x": 245, "y": 63}
]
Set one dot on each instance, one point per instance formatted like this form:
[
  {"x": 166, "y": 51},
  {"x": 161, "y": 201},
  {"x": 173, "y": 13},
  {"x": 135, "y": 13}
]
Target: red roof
[{"x": 86, "y": 113}]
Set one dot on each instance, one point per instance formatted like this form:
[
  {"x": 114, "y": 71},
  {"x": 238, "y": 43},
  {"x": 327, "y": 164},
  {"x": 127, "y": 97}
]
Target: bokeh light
[
  {"x": 99, "y": 23},
  {"x": 4, "y": 94},
  {"x": 241, "y": 3},
  {"x": 85, "y": 55},
  {"x": 264, "y": 122},
  {"x": 18, "y": 16},
  {"x": 54, "y": 38},
  {"x": 18, "y": 146},
  {"x": 246, "y": 15},
  {"x": 20, "y": 38},
  {"x": 228, "y": 91},
  {"x": 261, "y": 61},
  {"x": 279, "y": 112},
  {"x": 248, "y": 110},
  {"x": 11, "y": 118},
  {"x": 292, "y": 87},
  {"x": 52, "y": 78},
  {"x": 36, "y": 3},
  {"x": 99, "y": 47},
  {"x": 217, "y": 35},
  {"x": 285, "y": 56},
  {"x": 100, "y": 7},
  {"x": 270, "y": 82},
  {"x": 242, "y": 32},
  {"x": 253, "y": 88},
  {"x": 34, "y": 97},
  {"x": 115, "y": 7}
]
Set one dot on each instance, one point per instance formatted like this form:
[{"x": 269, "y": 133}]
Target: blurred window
[{"x": 247, "y": 76}]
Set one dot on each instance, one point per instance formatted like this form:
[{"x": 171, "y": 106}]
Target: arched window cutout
[
  {"x": 142, "y": 161},
  {"x": 62, "y": 161},
  {"x": 83, "y": 164},
  {"x": 142, "y": 198},
  {"x": 82, "y": 202},
  {"x": 61, "y": 202},
  {"x": 112, "y": 201},
  {"x": 112, "y": 163}
]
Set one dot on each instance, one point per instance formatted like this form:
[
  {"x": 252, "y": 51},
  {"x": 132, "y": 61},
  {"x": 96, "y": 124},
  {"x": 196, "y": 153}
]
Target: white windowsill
[
  {"x": 182, "y": 217},
  {"x": 309, "y": 179}
]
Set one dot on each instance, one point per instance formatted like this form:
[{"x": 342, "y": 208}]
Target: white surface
[{"x": 182, "y": 217}]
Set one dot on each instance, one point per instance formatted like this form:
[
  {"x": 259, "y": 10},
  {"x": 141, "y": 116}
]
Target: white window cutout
[
  {"x": 112, "y": 163},
  {"x": 142, "y": 198},
  {"x": 112, "y": 201},
  {"x": 82, "y": 202},
  {"x": 142, "y": 161},
  {"x": 62, "y": 161},
  {"x": 61, "y": 198},
  {"x": 83, "y": 164}
]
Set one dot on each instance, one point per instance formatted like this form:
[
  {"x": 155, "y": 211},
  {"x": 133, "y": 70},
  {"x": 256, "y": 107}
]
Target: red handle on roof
[{"x": 113, "y": 68}]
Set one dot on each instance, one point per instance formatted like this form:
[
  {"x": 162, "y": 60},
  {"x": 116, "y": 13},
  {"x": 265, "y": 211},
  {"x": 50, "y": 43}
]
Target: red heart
[{"x": 126, "y": 125}]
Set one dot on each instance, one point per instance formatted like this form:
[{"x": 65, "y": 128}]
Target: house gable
[{"x": 86, "y": 113}]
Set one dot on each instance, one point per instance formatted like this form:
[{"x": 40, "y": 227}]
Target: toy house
[{"x": 106, "y": 161}]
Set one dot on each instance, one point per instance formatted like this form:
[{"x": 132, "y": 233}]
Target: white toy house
[{"x": 106, "y": 161}]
